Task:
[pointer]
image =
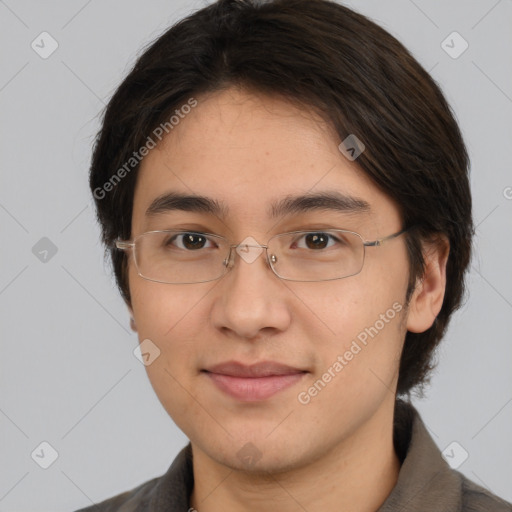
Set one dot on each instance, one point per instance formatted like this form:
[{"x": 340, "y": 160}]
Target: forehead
[{"x": 249, "y": 151}]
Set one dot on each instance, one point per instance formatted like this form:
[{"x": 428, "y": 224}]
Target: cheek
[
  {"x": 160, "y": 310},
  {"x": 174, "y": 318},
  {"x": 359, "y": 356},
  {"x": 358, "y": 366},
  {"x": 346, "y": 309}
]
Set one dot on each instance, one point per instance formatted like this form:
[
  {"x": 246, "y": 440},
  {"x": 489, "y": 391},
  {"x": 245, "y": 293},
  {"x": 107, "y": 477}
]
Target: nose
[{"x": 251, "y": 301}]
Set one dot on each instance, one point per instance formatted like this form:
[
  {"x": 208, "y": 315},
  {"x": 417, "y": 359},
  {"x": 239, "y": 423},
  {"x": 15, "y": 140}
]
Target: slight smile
[{"x": 253, "y": 383}]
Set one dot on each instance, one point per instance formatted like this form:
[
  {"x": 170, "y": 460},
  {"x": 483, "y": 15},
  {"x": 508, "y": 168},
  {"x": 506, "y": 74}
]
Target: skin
[{"x": 336, "y": 452}]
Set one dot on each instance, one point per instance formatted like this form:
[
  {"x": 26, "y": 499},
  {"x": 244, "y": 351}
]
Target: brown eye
[
  {"x": 188, "y": 241},
  {"x": 317, "y": 240}
]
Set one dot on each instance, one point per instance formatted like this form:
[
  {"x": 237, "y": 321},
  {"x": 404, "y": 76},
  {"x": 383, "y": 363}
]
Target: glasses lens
[
  {"x": 316, "y": 255},
  {"x": 180, "y": 256}
]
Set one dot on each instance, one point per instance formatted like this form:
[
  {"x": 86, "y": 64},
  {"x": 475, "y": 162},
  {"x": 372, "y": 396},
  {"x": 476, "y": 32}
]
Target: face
[{"x": 341, "y": 338}]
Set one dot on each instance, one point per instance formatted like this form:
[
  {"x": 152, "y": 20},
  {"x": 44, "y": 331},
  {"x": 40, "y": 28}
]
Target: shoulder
[
  {"x": 426, "y": 481},
  {"x": 477, "y": 499},
  {"x": 170, "y": 491},
  {"x": 130, "y": 501}
]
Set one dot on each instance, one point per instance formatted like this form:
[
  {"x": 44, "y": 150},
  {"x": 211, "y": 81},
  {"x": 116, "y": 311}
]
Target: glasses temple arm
[
  {"x": 380, "y": 241},
  {"x": 123, "y": 244}
]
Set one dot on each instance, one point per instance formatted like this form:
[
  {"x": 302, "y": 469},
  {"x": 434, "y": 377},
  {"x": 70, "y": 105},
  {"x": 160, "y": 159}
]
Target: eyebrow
[{"x": 323, "y": 201}]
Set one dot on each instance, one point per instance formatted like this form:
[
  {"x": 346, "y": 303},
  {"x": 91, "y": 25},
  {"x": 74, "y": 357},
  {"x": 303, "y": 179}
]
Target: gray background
[{"x": 68, "y": 374}]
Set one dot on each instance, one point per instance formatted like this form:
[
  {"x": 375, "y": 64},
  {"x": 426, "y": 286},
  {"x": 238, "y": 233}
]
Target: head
[{"x": 246, "y": 103}]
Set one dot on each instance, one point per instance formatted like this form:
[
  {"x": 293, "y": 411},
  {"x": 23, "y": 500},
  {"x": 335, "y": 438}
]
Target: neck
[{"x": 358, "y": 474}]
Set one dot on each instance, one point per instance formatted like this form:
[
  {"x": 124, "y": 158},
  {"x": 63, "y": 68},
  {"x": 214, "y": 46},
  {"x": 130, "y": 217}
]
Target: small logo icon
[
  {"x": 44, "y": 455},
  {"x": 454, "y": 45},
  {"x": 44, "y": 250},
  {"x": 44, "y": 45},
  {"x": 146, "y": 352},
  {"x": 249, "y": 249},
  {"x": 455, "y": 455},
  {"x": 249, "y": 454},
  {"x": 351, "y": 147},
  {"x": 507, "y": 192}
]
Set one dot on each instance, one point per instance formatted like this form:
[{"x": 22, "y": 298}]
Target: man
[{"x": 285, "y": 196}]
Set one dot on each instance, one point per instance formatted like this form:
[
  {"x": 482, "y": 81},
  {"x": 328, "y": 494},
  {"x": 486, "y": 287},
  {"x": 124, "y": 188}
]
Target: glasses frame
[{"x": 127, "y": 245}]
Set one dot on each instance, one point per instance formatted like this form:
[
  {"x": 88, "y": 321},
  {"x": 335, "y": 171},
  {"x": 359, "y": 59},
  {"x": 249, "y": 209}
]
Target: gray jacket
[{"x": 426, "y": 483}]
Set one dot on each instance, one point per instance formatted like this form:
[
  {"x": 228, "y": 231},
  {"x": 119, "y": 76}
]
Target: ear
[
  {"x": 428, "y": 295},
  {"x": 133, "y": 326}
]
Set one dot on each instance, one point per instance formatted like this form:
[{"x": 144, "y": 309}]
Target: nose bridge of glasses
[{"x": 249, "y": 250}]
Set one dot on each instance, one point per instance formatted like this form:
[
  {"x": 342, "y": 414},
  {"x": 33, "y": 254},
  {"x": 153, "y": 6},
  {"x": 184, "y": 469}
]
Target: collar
[
  {"x": 425, "y": 481},
  {"x": 424, "y": 476}
]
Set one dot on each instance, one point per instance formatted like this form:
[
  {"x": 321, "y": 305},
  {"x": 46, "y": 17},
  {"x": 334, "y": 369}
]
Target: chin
[{"x": 255, "y": 451}]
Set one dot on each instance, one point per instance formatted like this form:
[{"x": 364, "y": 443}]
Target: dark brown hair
[{"x": 357, "y": 76}]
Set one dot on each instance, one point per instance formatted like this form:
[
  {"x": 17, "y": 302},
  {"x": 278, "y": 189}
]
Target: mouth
[{"x": 252, "y": 383}]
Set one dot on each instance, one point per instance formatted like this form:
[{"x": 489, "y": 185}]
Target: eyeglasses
[{"x": 187, "y": 257}]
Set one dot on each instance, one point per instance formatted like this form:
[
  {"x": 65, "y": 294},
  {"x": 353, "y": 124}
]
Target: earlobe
[
  {"x": 427, "y": 299},
  {"x": 133, "y": 325}
]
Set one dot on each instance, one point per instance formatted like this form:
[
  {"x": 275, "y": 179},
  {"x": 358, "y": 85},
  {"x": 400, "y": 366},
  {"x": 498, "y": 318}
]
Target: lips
[
  {"x": 254, "y": 382},
  {"x": 263, "y": 369}
]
